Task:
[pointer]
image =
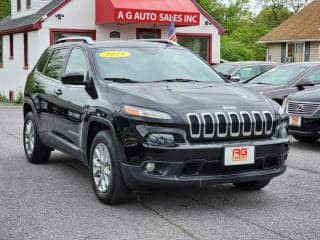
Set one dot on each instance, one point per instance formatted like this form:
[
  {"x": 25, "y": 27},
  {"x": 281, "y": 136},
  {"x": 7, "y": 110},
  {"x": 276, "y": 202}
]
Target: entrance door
[{"x": 147, "y": 33}]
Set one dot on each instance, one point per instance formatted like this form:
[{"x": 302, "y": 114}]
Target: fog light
[
  {"x": 161, "y": 139},
  {"x": 150, "y": 167}
]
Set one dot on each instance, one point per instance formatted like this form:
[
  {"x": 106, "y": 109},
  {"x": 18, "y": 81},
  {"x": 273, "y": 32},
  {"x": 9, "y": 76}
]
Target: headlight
[
  {"x": 144, "y": 112},
  {"x": 280, "y": 113},
  {"x": 281, "y": 130},
  {"x": 285, "y": 104}
]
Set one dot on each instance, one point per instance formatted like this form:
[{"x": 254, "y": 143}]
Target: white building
[{"x": 36, "y": 24}]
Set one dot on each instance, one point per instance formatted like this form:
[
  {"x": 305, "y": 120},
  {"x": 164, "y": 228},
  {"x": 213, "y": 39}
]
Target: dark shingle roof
[{"x": 9, "y": 23}]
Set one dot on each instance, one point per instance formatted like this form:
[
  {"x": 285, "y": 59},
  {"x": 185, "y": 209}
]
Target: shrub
[{"x": 19, "y": 98}]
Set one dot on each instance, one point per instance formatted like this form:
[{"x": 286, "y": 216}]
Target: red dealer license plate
[
  {"x": 295, "y": 121},
  {"x": 238, "y": 155}
]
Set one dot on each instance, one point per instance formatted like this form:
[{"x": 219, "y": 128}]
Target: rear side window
[
  {"x": 43, "y": 61},
  {"x": 55, "y": 64},
  {"x": 314, "y": 76},
  {"x": 248, "y": 72}
]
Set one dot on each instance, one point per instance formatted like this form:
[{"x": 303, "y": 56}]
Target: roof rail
[
  {"x": 159, "y": 40},
  {"x": 86, "y": 40}
]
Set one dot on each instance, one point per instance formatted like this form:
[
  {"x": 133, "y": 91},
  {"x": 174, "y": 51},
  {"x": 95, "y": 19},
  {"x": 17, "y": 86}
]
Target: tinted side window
[
  {"x": 77, "y": 62},
  {"x": 314, "y": 76},
  {"x": 43, "y": 61},
  {"x": 248, "y": 72},
  {"x": 55, "y": 64}
]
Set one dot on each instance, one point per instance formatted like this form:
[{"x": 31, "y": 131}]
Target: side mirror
[
  {"x": 75, "y": 78},
  {"x": 235, "y": 78},
  {"x": 226, "y": 76},
  {"x": 304, "y": 83}
]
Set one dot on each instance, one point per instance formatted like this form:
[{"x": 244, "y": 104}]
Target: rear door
[{"x": 50, "y": 85}]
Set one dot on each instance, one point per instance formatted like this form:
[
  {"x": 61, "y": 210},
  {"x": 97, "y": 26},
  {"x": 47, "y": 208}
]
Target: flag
[{"x": 172, "y": 32}]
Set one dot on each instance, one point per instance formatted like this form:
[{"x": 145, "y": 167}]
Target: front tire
[
  {"x": 35, "y": 151},
  {"x": 306, "y": 139},
  {"x": 252, "y": 186},
  {"x": 105, "y": 171}
]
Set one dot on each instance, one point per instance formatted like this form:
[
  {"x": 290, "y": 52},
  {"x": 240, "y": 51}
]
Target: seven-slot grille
[
  {"x": 303, "y": 108},
  {"x": 221, "y": 125}
]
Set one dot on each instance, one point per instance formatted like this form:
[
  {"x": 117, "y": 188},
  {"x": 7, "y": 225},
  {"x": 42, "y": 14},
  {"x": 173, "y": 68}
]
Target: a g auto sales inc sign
[{"x": 160, "y": 17}]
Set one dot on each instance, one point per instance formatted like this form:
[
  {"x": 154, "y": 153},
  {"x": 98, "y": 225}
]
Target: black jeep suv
[{"x": 148, "y": 114}]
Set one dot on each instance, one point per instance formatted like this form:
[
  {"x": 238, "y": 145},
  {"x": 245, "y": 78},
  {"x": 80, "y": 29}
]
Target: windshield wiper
[
  {"x": 177, "y": 80},
  {"x": 263, "y": 83},
  {"x": 121, "y": 80}
]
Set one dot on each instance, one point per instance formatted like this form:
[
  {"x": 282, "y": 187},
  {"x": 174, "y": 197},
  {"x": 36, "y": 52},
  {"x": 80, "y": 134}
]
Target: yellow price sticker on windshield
[{"x": 114, "y": 54}]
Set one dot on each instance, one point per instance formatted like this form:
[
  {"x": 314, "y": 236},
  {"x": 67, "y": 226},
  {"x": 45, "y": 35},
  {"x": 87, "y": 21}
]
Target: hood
[
  {"x": 263, "y": 87},
  {"x": 192, "y": 97},
  {"x": 312, "y": 95}
]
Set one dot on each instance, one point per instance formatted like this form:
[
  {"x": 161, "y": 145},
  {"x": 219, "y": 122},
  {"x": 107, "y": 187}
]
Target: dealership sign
[{"x": 159, "y": 17}]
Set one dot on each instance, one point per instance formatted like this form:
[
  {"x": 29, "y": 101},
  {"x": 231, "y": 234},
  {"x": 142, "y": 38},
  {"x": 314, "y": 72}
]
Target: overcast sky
[{"x": 254, "y": 6}]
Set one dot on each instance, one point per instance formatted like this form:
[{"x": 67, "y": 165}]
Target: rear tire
[
  {"x": 105, "y": 171},
  {"x": 35, "y": 150},
  {"x": 252, "y": 186},
  {"x": 306, "y": 139}
]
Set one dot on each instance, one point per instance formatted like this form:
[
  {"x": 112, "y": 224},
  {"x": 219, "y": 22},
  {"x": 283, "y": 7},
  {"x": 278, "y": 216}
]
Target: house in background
[
  {"x": 36, "y": 24},
  {"x": 297, "y": 39}
]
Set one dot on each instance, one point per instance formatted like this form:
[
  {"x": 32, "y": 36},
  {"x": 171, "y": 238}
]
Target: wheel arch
[
  {"x": 95, "y": 125},
  {"x": 28, "y": 106}
]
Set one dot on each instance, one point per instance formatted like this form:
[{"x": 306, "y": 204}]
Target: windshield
[
  {"x": 280, "y": 75},
  {"x": 152, "y": 65},
  {"x": 226, "y": 68}
]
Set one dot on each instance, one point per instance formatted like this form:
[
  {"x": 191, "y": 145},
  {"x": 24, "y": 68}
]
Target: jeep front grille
[
  {"x": 222, "y": 125},
  {"x": 303, "y": 108}
]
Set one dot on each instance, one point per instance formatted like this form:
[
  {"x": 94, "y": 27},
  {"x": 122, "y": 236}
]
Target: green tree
[
  {"x": 233, "y": 50},
  {"x": 272, "y": 17},
  {"x": 4, "y": 8},
  {"x": 244, "y": 28}
]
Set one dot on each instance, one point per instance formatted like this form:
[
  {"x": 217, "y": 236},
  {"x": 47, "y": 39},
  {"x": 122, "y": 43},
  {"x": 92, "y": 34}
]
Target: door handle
[
  {"x": 58, "y": 92},
  {"x": 36, "y": 85}
]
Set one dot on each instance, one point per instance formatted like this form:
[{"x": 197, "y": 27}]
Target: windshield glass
[
  {"x": 280, "y": 75},
  {"x": 152, "y": 64},
  {"x": 226, "y": 68}
]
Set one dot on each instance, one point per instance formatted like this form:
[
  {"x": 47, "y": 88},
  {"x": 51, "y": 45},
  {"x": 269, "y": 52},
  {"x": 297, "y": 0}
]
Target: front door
[{"x": 73, "y": 102}]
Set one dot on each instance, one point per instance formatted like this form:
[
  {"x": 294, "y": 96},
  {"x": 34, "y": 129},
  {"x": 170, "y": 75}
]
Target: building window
[
  {"x": 147, "y": 33},
  {"x": 1, "y": 52},
  {"x": 28, "y": 2},
  {"x": 18, "y": 5},
  {"x": 295, "y": 52},
  {"x": 56, "y": 34},
  {"x": 11, "y": 46},
  {"x": 25, "y": 50},
  {"x": 199, "y": 44}
]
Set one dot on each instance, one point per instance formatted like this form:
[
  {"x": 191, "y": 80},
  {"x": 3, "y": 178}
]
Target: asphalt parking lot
[{"x": 56, "y": 201}]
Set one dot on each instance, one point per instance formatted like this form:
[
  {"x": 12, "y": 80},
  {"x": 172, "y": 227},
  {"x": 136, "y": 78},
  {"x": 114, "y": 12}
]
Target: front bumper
[
  {"x": 310, "y": 127},
  {"x": 203, "y": 164}
]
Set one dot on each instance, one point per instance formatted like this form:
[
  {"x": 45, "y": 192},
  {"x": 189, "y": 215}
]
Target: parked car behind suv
[
  {"x": 147, "y": 114},
  {"x": 304, "y": 115},
  {"x": 243, "y": 71},
  {"x": 286, "y": 79}
]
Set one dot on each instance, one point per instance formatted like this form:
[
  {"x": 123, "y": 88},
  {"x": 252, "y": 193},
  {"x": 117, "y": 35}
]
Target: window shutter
[
  {"x": 283, "y": 52},
  {"x": 307, "y": 52}
]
